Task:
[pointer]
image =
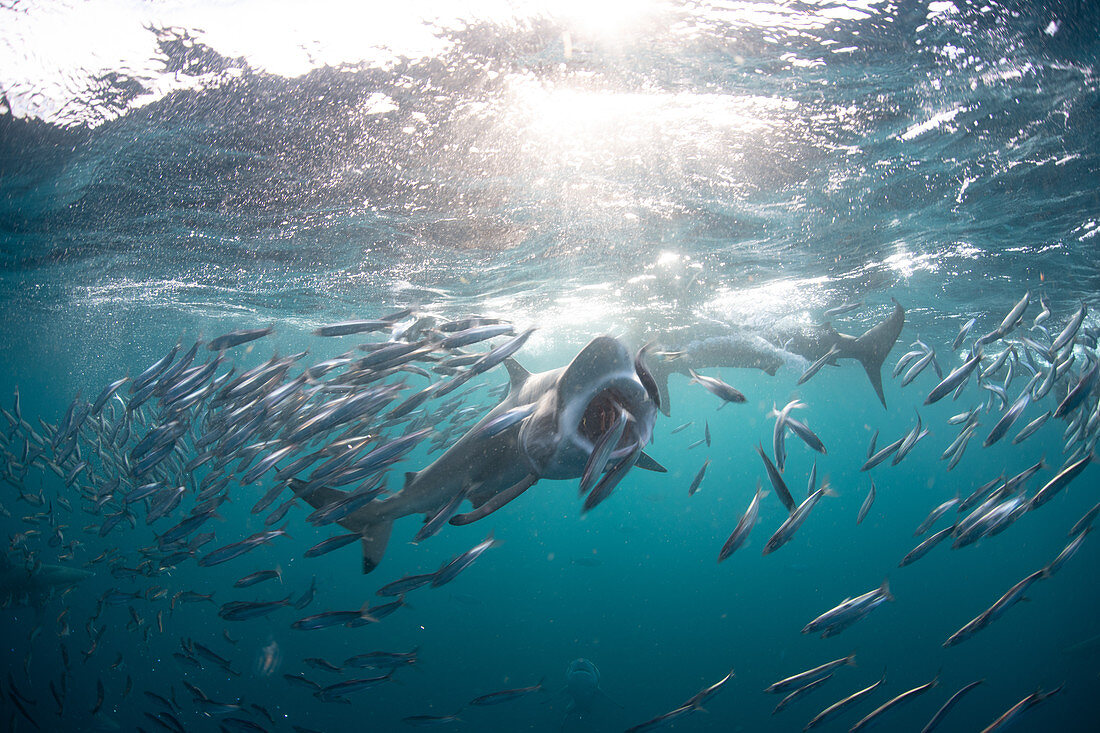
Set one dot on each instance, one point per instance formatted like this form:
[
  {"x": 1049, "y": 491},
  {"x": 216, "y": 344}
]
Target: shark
[
  {"x": 582, "y": 688},
  {"x": 701, "y": 345},
  {"x": 570, "y": 408},
  {"x": 32, "y": 585}
]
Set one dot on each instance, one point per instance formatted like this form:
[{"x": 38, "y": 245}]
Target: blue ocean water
[{"x": 649, "y": 170}]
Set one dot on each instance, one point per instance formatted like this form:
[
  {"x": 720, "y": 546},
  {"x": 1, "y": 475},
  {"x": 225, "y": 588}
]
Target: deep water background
[{"x": 732, "y": 163}]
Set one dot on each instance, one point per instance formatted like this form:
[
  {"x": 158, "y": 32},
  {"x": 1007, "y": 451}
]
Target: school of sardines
[
  {"x": 167, "y": 447},
  {"x": 1017, "y": 366}
]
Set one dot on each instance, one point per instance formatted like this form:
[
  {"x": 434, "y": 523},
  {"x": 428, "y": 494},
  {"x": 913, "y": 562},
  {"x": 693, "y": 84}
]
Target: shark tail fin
[
  {"x": 376, "y": 531},
  {"x": 375, "y": 539},
  {"x": 872, "y": 348},
  {"x": 874, "y": 373},
  {"x": 315, "y": 496}
]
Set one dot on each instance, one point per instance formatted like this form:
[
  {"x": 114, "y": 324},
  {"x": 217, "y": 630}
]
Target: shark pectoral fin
[
  {"x": 662, "y": 390},
  {"x": 375, "y": 539},
  {"x": 648, "y": 463},
  {"x": 496, "y": 501},
  {"x": 479, "y": 493},
  {"x": 659, "y": 370}
]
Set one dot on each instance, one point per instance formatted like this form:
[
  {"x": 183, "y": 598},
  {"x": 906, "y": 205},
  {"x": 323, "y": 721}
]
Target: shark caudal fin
[
  {"x": 366, "y": 521},
  {"x": 872, "y": 348},
  {"x": 375, "y": 539}
]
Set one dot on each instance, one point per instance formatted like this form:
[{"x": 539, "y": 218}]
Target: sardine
[
  {"x": 866, "y": 507},
  {"x": 924, "y": 547},
  {"x": 794, "y": 521},
  {"x": 776, "y": 479},
  {"x": 875, "y": 714},
  {"x": 964, "y": 331},
  {"x": 843, "y": 704},
  {"x": 698, "y": 478},
  {"x": 947, "y": 706},
  {"x": 803, "y": 678},
  {"x": 1067, "y": 333},
  {"x": 744, "y": 526},
  {"x": 717, "y": 387},
  {"x": 236, "y": 338}
]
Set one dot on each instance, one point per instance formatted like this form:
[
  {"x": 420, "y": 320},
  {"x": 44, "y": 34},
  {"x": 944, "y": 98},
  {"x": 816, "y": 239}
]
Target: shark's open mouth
[
  {"x": 599, "y": 394},
  {"x": 600, "y": 416}
]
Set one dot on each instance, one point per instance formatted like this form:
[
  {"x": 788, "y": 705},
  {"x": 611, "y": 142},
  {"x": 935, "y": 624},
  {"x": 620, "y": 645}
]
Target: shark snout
[{"x": 599, "y": 393}]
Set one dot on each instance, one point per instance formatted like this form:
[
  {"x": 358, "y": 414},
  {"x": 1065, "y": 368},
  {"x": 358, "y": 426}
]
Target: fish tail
[
  {"x": 375, "y": 539},
  {"x": 872, "y": 348},
  {"x": 374, "y": 529}
]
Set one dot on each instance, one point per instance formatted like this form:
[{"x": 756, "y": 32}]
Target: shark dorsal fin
[{"x": 517, "y": 375}]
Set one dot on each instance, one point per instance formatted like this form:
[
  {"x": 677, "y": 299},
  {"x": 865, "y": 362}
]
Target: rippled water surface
[{"x": 657, "y": 171}]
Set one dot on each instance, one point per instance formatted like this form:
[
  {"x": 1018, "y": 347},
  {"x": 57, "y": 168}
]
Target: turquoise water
[{"x": 650, "y": 171}]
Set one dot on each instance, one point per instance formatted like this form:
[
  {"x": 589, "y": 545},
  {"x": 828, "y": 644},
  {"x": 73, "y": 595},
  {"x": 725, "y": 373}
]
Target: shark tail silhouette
[
  {"x": 872, "y": 348},
  {"x": 375, "y": 538},
  {"x": 374, "y": 526},
  {"x": 374, "y": 522}
]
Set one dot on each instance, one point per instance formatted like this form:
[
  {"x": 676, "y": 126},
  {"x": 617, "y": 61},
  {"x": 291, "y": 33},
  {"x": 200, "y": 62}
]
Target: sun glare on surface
[
  {"x": 606, "y": 19},
  {"x": 765, "y": 303}
]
